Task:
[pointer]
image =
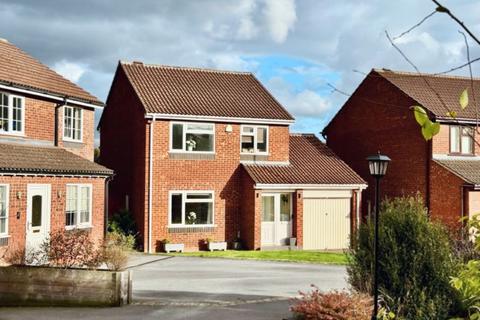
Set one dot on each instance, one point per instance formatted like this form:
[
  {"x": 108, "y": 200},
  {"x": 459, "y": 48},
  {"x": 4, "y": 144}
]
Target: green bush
[
  {"x": 415, "y": 261},
  {"x": 467, "y": 284},
  {"x": 123, "y": 224}
]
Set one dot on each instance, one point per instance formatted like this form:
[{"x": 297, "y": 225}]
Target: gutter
[
  {"x": 312, "y": 186},
  {"x": 217, "y": 119},
  {"x": 62, "y": 99},
  {"x": 150, "y": 184}
]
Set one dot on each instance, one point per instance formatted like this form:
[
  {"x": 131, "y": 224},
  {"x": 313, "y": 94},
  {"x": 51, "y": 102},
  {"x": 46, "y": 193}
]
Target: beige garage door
[{"x": 326, "y": 223}]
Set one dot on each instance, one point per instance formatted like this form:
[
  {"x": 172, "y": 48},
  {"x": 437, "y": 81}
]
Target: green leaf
[
  {"x": 430, "y": 129},
  {"x": 420, "y": 115},
  {"x": 452, "y": 114},
  {"x": 464, "y": 99}
]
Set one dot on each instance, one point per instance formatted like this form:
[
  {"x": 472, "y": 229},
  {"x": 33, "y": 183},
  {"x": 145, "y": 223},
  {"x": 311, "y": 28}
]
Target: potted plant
[
  {"x": 216, "y": 245},
  {"x": 172, "y": 247},
  {"x": 191, "y": 217},
  {"x": 191, "y": 144},
  {"x": 293, "y": 242}
]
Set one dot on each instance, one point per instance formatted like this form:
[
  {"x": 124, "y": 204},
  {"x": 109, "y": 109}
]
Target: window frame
[
  {"x": 255, "y": 142},
  {"x": 184, "y": 200},
  {"x": 77, "y": 224},
  {"x": 184, "y": 137},
  {"x": 10, "y": 131},
  {"x": 7, "y": 205},
  {"x": 71, "y": 139},
  {"x": 459, "y": 140}
]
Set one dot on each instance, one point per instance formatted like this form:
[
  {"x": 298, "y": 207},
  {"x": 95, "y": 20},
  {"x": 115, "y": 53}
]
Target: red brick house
[
  {"x": 48, "y": 180},
  {"x": 444, "y": 170},
  {"x": 208, "y": 154}
]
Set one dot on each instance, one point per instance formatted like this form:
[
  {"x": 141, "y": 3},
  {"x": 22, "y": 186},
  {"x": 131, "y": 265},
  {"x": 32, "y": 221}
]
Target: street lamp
[{"x": 378, "y": 168}]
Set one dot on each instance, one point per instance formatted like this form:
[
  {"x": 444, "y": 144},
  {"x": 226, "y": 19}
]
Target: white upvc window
[
  {"x": 72, "y": 123},
  {"x": 254, "y": 139},
  {"x": 4, "y": 192},
  {"x": 192, "y": 137},
  {"x": 461, "y": 139},
  {"x": 78, "y": 209},
  {"x": 12, "y": 114},
  {"x": 191, "y": 208}
]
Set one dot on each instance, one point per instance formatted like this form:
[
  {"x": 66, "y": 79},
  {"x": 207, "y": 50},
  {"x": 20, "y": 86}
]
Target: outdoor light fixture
[{"x": 378, "y": 168}]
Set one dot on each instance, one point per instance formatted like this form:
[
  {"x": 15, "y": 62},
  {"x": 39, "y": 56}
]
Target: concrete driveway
[{"x": 201, "y": 288}]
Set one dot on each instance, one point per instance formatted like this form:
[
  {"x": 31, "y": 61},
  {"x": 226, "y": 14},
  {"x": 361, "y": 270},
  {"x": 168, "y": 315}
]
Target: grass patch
[{"x": 277, "y": 255}]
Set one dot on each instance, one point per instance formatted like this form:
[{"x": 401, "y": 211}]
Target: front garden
[{"x": 425, "y": 271}]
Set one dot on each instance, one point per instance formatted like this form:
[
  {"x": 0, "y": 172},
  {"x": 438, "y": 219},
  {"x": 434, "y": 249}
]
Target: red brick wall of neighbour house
[
  {"x": 298, "y": 217},
  {"x": 40, "y": 125},
  {"x": 446, "y": 196},
  {"x": 250, "y": 219},
  {"x": 377, "y": 118},
  {"x": 17, "y": 227},
  {"x": 123, "y": 139}
]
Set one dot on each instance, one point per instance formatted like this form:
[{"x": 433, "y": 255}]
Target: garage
[{"x": 326, "y": 219}]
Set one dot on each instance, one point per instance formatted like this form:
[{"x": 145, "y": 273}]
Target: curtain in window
[
  {"x": 3, "y": 209},
  {"x": 84, "y": 204},
  {"x": 71, "y": 206},
  {"x": 454, "y": 139}
]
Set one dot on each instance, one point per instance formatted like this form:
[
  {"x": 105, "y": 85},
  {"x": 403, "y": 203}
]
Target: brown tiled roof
[
  {"x": 202, "y": 92},
  {"x": 448, "y": 88},
  {"x": 19, "y": 69},
  {"x": 468, "y": 170},
  {"x": 18, "y": 158},
  {"x": 311, "y": 162}
]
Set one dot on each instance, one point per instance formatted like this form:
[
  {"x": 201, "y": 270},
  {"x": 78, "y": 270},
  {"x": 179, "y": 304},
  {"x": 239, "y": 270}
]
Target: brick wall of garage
[{"x": 18, "y": 205}]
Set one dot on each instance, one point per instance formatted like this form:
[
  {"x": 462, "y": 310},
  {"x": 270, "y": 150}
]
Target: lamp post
[{"x": 378, "y": 168}]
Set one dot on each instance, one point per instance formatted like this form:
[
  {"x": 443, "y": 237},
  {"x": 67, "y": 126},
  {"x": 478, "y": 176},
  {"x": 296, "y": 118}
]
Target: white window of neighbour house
[
  {"x": 254, "y": 139},
  {"x": 12, "y": 114},
  {"x": 192, "y": 137},
  {"x": 78, "y": 210},
  {"x": 3, "y": 210},
  {"x": 72, "y": 123},
  {"x": 191, "y": 208},
  {"x": 461, "y": 139}
]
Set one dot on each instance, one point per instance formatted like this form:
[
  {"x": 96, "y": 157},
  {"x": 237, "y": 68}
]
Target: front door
[
  {"x": 276, "y": 219},
  {"x": 38, "y": 216}
]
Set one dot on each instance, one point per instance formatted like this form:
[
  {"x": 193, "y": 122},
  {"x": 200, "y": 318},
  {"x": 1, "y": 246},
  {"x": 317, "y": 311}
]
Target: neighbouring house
[
  {"x": 205, "y": 154},
  {"x": 48, "y": 180},
  {"x": 445, "y": 171}
]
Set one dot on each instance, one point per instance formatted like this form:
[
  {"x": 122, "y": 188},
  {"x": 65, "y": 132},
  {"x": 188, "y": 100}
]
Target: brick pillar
[
  {"x": 257, "y": 237},
  {"x": 298, "y": 217}
]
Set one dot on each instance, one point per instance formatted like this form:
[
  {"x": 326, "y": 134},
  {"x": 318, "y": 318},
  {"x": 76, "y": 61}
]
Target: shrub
[
  {"x": 66, "y": 249},
  {"x": 467, "y": 284},
  {"x": 333, "y": 305},
  {"x": 115, "y": 250},
  {"x": 415, "y": 260},
  {"x": 123, "y": 222}
]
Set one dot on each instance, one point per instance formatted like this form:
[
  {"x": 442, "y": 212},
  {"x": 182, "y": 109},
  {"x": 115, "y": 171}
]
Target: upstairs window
[
  {"x": 72, "y": 123},
  {"x": 78, "y": 211},
  {"x": 192, "y": 137},
  {"x": 254, "y": 139},
  {"x": 191, "y": 208},
  {"x": 461, "y": 139},
  {"x": 11, "y": 113}
]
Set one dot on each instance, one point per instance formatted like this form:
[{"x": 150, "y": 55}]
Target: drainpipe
[
  {"x": 56, "y": 124},
  {"x": 359, "y": 194},
  {"x": 105, "y": 204},
  {"x": 150, "y": 184}
]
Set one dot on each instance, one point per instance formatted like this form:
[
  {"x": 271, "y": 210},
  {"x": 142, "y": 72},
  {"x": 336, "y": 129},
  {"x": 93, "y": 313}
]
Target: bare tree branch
[
  {"x": 441, "y": 8},
  {"x": 415, "y": 26},
  {"x": 471, "y": 77},
  {"x": 458, "y": 67}
]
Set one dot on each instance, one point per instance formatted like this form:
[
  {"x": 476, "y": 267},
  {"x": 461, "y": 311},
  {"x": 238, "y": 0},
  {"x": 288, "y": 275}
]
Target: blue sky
[{"x": 295, "y": 47}]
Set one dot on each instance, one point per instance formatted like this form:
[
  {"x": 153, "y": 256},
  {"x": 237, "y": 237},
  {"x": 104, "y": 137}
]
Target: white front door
[
  {"x": 38, "y": 216},
  {"x": 276, "y": 219}
]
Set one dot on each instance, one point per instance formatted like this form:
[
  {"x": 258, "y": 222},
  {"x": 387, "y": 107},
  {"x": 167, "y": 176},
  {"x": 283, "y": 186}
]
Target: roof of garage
[{"x": 311, "y": 163}]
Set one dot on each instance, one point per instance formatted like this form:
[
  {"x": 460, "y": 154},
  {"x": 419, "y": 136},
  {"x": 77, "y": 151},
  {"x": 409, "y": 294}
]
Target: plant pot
[
  {"x": 173, "y": 247},
  {"x": 189, "y": 148},
  {"x": 217, "y": 246}
]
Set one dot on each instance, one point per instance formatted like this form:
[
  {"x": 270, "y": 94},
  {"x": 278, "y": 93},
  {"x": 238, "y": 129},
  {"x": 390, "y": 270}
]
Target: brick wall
[
  {"x": 441, "y": 142},
  {"x": 40, "y": 125},
  {"x": 297, "y": 227},
  {"x": 377, "y": 118},
  {"x": 18, "y": 205}
]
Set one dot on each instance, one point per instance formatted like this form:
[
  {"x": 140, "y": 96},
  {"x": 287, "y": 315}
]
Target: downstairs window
[{"x": 191, "y": 208}]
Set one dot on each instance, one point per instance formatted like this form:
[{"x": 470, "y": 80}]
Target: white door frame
[
  {"x": 276, "y": 220},
  {"x": 34, "y": 236}
]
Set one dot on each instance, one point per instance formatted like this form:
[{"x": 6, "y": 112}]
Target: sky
[{"x": 295, "y": 47}]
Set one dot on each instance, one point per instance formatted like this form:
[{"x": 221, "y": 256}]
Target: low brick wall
[{"x": 39, "y": 286}]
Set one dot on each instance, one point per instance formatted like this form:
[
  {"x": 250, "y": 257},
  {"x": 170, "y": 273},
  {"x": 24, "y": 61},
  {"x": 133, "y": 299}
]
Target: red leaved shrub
[{"x": 335, "y": 305}]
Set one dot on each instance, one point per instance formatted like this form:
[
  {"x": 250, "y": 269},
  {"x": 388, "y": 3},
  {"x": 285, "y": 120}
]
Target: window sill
[
  {"x": 72, "y": 141},
  {"x": 12, "y": 134},
  {"x": 191, "y": 152},
  {"x": 3, "y": 236},
  {"x": 191, "y": 226},
  {"x": 84, "y": 227},
  {"x": 193, "y": 229},
  {"x": 254, "y": 153},
  {"x": 458, "y": 154}
]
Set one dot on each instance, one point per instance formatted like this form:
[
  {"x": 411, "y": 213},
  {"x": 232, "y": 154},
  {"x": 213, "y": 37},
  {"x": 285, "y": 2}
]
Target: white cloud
[
  {"x": 280, "y": 16},
  {"x": 306, "y": 103},
  {"x": 231, "y": 62},
  {"x": 71, "y": 71}
]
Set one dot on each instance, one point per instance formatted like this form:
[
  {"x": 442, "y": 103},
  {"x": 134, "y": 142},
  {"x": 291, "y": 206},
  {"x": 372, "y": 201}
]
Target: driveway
[{"x": 204, "y": 288}]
